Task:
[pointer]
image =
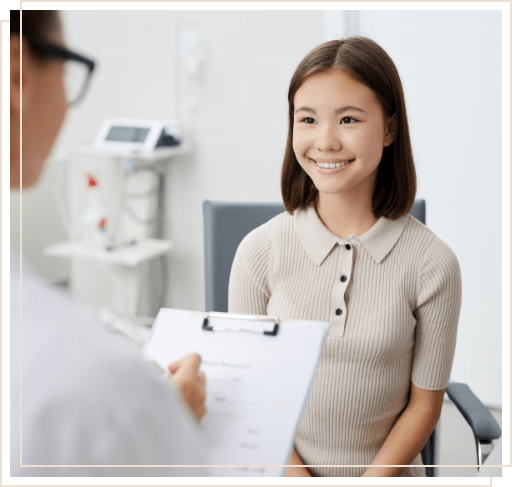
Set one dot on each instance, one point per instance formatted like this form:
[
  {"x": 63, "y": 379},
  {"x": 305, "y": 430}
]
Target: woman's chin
[{"x": 330, "y": 189}]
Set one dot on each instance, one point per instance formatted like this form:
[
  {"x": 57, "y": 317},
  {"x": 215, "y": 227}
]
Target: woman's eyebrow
[{"x": 337, "y": 111}]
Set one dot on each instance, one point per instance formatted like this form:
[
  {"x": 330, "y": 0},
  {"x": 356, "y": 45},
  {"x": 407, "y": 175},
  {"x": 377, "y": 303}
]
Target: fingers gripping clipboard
[{"x": 258, "y": 370}]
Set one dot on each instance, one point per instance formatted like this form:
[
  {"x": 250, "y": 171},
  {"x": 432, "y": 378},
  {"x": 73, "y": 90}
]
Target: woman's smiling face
[{"x": 339, "y": 121}]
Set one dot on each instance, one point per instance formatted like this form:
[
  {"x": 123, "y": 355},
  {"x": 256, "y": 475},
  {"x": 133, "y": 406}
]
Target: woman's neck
[{"x": 344, "y": 216}]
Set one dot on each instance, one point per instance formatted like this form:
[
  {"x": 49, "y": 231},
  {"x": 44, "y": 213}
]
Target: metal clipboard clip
[{"x": 214, "y": 314}]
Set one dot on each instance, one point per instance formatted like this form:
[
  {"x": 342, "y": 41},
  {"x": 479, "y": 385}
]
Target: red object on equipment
[{"x": 91, "y": 182}]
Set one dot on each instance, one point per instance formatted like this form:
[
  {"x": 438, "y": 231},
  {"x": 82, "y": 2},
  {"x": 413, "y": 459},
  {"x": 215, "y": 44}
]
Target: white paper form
[{"x": 256, "y": 385}]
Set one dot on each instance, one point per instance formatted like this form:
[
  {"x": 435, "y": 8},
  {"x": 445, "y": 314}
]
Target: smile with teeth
[{"x": 331, "y": 165}]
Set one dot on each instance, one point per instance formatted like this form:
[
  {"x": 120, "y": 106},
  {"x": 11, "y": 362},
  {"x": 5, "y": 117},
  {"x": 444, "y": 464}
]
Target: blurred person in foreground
[{"x": 86, "y": 396}]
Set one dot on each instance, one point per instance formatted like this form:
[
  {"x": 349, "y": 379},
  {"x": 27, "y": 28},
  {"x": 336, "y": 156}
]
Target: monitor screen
[{"x": 127, "y": 134}]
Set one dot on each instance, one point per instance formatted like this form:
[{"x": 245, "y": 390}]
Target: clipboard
[
  {"x": 259, "y": 371},
  {"x": 214, "y": 314}
]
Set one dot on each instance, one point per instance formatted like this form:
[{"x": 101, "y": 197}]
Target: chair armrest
[{"x": 485, "y": 427}]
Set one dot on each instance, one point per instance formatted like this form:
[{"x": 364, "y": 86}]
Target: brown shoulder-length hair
[{"x": 366, "y": 61}]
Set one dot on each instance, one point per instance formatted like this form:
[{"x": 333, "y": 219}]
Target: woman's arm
[
  {"x": 437, "y": 314},
  {"x": 409, "y": 434},
  {"x": 248, "y": 293},
  {"x": 298, "y": 471},
  {"x": 248, "y": 290}
]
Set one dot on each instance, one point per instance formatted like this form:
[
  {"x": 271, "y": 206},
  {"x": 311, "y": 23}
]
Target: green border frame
[{"x": 507, "y": 472}]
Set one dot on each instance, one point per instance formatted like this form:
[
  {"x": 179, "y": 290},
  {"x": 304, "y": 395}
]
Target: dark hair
[
  {"x": 36, "y": 23},
  {"x": 366, "y": 61}
]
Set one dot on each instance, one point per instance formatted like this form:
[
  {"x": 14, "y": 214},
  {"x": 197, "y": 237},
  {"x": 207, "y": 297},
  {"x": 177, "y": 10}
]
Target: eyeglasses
[{"x": 77, "y": 70}]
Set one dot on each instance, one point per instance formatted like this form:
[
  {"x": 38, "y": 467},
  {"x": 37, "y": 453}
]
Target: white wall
[{"x": 450, "y": 63}]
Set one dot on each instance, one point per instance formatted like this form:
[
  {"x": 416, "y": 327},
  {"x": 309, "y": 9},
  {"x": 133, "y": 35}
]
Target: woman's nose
[{"x": 327, "y": 138}]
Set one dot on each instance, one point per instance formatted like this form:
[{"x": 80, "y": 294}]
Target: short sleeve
[
  {"x": 248, "y": 283},
  {"x": 437, "y": 316}
]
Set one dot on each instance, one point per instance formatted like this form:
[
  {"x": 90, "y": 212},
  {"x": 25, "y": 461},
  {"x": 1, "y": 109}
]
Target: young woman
[
  {"x": 348, "y": 252},
  {"x": 88, "y": 399}
]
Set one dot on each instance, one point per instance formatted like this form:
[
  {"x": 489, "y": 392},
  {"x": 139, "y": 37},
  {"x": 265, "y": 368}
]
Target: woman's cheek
[
  {"x": 299, "y": 144},
  {"x": 360, "y": 144},
  {"x": 298, "y": 136}
]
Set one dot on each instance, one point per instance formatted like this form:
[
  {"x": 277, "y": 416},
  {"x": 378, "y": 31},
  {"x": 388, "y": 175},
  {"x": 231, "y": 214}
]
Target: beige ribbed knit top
[{"x": 392, "y": 297}]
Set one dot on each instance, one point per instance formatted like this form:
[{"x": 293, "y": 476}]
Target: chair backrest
[
  {"x": 419, "y": 211},
  {"x": 225, "y": 226}
]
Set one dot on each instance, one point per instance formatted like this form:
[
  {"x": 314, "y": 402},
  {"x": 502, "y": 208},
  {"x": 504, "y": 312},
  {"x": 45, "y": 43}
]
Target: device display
[
  {"x": 127, "y": 134},
  {"x": 143, "y": 136}
]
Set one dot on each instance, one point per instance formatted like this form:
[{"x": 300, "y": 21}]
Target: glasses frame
[{"x": 64, "y": 53}]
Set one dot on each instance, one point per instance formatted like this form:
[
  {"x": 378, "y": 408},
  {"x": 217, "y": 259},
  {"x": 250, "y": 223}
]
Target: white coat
[{"x": 87, "y": 397}]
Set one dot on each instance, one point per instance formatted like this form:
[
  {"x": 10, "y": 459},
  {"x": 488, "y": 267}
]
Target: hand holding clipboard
[{"x": 258, "y": 374}]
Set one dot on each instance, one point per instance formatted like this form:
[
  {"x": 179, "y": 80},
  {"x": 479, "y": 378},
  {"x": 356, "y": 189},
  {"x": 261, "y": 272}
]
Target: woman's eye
[
  {"x": 344, "y": 120},
  {"x": 348, "y": 120}
]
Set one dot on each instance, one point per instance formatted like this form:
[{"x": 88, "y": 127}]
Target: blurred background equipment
[{"x": 115, "y": 198}]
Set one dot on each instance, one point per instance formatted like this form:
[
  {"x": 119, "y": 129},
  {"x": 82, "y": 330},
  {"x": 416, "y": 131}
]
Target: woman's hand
[
  {"x": 409, "y": 434},
  {"x": 298, "y": 471},
  {"x": 191, "y": 382}
]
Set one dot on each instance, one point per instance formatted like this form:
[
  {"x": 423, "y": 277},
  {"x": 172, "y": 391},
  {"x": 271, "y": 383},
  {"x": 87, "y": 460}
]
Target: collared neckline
[{"x": 318, "y": 241}]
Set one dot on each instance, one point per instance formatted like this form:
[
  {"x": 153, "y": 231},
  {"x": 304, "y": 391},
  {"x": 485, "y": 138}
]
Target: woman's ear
[{"x": 391, "y": 130}]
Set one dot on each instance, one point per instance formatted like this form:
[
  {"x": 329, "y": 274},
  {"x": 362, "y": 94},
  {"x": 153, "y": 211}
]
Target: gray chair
[{"x": 225, "y": 226}]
